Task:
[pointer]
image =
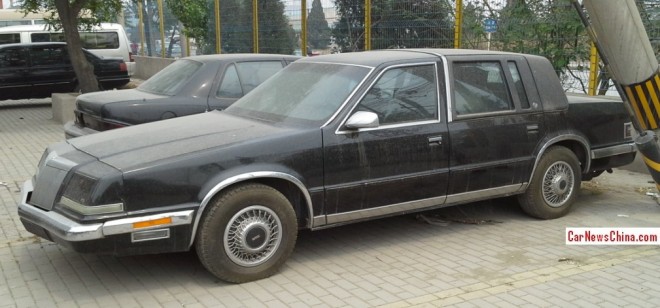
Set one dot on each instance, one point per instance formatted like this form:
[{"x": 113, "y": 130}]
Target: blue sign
[{"x": 490, "y": 25}]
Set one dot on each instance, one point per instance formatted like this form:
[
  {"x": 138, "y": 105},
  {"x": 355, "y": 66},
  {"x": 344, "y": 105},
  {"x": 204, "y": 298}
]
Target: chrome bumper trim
[
  {"x": 71, "y": 231},
  {"x": 60, "y": 226},
  {"x": 125, "y": 225},
  {"x": 613, "y": 150}
]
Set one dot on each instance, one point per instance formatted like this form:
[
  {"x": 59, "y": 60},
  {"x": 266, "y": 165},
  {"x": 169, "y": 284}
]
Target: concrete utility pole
[{"x": 616, "y": 28}]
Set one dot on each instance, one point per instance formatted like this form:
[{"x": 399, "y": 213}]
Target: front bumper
[{"x": 124, "y": 236}]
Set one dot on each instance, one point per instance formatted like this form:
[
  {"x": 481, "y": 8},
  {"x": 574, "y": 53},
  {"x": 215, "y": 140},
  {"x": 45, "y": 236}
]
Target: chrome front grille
[{"x": 48, "y": 182}]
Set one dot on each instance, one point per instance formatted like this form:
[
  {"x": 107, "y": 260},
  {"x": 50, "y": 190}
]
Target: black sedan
[
  {"x": 327, "y": 141},
  {"x": 188, "y": 86},
  {"x": 40, "y": 69}
]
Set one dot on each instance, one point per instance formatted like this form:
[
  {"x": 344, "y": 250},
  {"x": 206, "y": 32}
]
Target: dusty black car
[
  {"x": 190, "y": 85},
  {"x": 327, "y": 141},
  {"x": 40, "y": 69}
]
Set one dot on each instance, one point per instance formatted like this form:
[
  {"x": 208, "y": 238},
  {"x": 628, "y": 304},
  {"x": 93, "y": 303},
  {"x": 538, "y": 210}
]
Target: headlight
[{"x": 93, "y": 189}]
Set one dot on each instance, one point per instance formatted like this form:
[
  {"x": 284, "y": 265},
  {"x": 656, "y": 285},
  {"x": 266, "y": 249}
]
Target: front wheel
[
  {"x": 554, "y": 185},
  {"x": 247, "y": 233}
]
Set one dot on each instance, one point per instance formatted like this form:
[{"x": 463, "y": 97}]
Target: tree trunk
[
  {"x": 147, "y": 26},
  {"x": 68, "y": 13}
]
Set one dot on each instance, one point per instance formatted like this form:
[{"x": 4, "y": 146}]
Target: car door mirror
[{"x": 362, "y": 119}]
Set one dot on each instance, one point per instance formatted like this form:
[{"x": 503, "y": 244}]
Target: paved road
[{"x": 489, "y": 255}]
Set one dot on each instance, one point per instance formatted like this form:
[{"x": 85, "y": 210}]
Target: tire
[
  {"x": 554, "y": 186},
  {"x": 231, "y": 240}
]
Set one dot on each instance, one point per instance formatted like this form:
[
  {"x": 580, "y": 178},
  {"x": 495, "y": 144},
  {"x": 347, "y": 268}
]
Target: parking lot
[{"x": 479, "y": 255}]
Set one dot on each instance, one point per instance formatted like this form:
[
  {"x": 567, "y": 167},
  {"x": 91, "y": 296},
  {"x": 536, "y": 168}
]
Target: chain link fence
[{"x": 550, "y": 28}]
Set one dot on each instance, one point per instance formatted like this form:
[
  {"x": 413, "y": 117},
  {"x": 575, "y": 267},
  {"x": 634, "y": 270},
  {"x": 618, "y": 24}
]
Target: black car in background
[
  {"x": 36, "y": 70},
  {"x": 188, "y": 86}
]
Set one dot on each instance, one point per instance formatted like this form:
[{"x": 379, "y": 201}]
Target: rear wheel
[
  {"x": 247, "y": 233},
  {"x": 554, "y": 185}
]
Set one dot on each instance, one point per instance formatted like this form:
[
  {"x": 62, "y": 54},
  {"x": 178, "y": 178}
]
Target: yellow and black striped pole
[
  {"x": 617, "y": 29},
  {"x": 644, "y": 97}
]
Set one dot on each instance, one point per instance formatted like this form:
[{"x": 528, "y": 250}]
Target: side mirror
[{"x": 362, "y": 119}]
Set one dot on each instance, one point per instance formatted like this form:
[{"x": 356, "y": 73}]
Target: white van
[{"x": 108, "y": 40}]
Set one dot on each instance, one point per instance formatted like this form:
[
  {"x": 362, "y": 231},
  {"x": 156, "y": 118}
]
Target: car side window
[
  {"x": 480, "y": 87},
  {"x": 48, "y": 55},
  {"x": 9, "y": 38},
  {"x": 252, "y": 74},
  {"x": 230, "y": 86},
  {"x": 12, "y": 58},
  {"x": 47, "y": 37},
  {"x": 518, "y": 84},
  {"x": 404, "y": 94}
]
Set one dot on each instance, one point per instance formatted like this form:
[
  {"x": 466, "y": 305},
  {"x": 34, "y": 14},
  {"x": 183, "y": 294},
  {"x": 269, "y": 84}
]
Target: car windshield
[
  {"x": 172, "y": 78},
  {"x": 304, "y": 93}
]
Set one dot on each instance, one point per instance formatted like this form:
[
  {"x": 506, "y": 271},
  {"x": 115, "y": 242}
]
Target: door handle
[
  {"x": 435, "y": 140},
  {"x": 533, "y": 128}
]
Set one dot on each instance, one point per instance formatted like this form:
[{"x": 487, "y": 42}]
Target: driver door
[{"x": 400, "y": 165}]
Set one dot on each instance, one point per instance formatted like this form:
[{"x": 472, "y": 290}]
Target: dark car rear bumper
[
  {"x": 71, "y": 130},
  {"x": 113, "y": 82}
]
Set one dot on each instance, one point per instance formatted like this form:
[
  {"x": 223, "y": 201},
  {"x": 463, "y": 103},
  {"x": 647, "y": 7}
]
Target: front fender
[{"x": 244, "y": 174}]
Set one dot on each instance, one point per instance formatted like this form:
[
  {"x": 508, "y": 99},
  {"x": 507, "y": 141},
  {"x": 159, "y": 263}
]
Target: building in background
[{"x": 13, "y": 17}]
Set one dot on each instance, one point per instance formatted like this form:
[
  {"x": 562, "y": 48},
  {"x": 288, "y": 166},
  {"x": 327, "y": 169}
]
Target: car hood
[
  {"x": 135, "y": 146},
  {"x": 92, "y": 103}
]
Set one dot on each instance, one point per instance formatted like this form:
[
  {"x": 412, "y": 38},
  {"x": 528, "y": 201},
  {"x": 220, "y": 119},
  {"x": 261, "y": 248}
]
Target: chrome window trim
[
  {"x": 480, "y": 115},
  {"x": 399, "y": 125},
  {"x": 613, "y": 150},
  {"x": 250, "y": 176},
  {"x": 448, "y": 94},
  {"x": 339, "y": 130},
  {"x": 512, "y": 103},
  {"x": 350, "y": 96},
  {"x": 338, "y": 63}
]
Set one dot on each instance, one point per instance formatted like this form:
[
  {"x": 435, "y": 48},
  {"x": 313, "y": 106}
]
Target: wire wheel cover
[
  {"x": 252, "y": 236},
  {"x": 558, "y": 183}
]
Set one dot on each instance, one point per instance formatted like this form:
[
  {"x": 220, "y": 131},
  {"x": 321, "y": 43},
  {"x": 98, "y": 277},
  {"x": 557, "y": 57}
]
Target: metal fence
[{"x": 549, "y": 28}]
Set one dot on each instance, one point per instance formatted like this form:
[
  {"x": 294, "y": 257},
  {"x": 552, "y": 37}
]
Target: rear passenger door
[
  {"x": 51, "y": 69},
  {"x": 14, "y": 79},
  {"x": 240, "y": 78},
  {"x": 495, "y": 125}
]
